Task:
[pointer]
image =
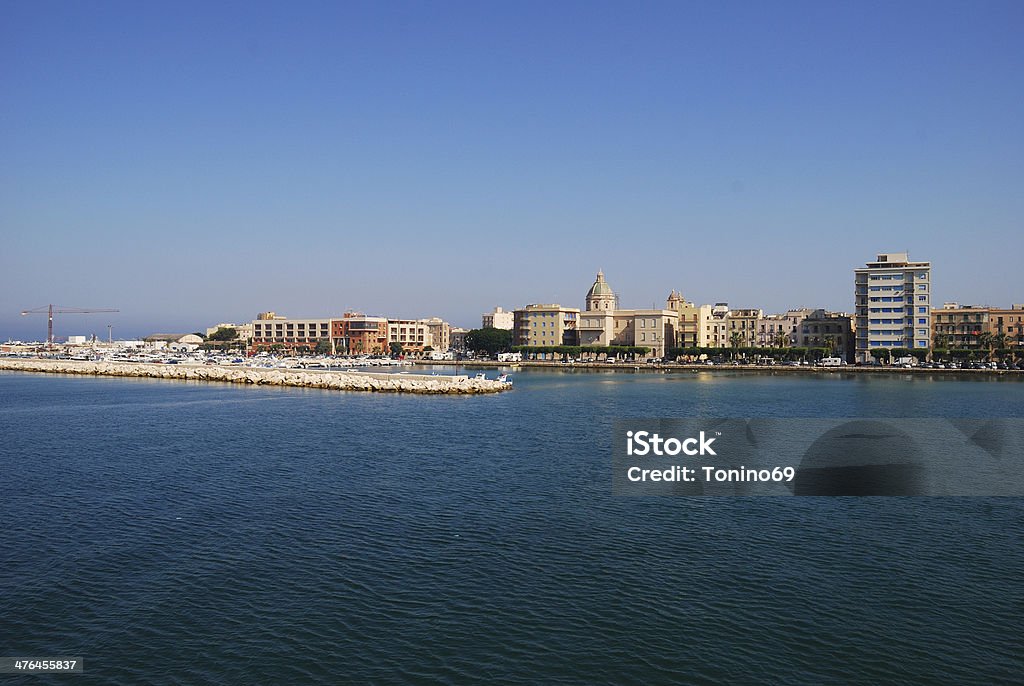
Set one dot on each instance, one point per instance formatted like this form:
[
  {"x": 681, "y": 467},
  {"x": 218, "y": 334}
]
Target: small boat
[
  {"x": 480, "y": 376},
  {"x": 504, "y": 378}
]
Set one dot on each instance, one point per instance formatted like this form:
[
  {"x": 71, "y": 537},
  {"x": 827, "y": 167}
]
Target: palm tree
[
  {"x": 985, "y": 343},
  {"x": 735, "y": 339}
]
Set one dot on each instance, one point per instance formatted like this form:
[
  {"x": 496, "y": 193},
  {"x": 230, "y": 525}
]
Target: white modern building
[
  {"x": 498, "y": 319},
  {"x": 893, "y": 304}
]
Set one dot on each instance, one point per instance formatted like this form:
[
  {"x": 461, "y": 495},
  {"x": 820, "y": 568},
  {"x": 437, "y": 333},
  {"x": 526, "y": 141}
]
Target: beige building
[
  {"x": 780, "y": 330},
  {"x": 545, "y": 325},
  {"x": 714, "y": 328},
  {"x": 1010, "y": 323},
  {"x": 412, "y": 334},
  {"x": 961, "y": 326},
  {"x": 440, "y": 333},
  {"x": 772, "y": 331},
  {"x": 743, "y": 326},
  {"x": 693, "y": 321},
  {"x": 602, "y": 323},
  {"x": 291, "y": 334},
  {"x": 498, "y": 319},
  {"x": 458, "y": 338},
  {"x": 244, "y": 331}
]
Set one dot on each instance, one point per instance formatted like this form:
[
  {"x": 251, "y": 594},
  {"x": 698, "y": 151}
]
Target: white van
[{"x": 831, "y": 362}]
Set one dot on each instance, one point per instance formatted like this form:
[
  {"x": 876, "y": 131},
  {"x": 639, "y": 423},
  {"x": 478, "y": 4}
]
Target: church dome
[
  {"x": 600, "y": 287},
  {"x": 600, "y": 296}
]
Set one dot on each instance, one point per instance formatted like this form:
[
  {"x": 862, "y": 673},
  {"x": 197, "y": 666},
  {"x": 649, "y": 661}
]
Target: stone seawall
[{"x": 339, "y": 381}]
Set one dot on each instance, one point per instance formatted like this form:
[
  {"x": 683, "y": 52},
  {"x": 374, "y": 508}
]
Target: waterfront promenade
[
  {"x": 331, "y": 380},
  {"x": 724, "y": 367}
]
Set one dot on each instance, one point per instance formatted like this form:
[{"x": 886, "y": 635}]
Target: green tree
[
  {"x": 491, "y": 341},
  {"x": 323, "y": 346},
  {"x": 396, "y": 349},
  {"x": 223, "y": 333}
]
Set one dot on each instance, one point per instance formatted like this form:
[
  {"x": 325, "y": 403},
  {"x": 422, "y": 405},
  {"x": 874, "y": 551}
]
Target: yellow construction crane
[{"x": 49, "y": 310}]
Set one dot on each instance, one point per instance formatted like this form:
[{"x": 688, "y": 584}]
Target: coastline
[
  {"x": 675, "y": 367},
  {"x": 329, "y": 380}
]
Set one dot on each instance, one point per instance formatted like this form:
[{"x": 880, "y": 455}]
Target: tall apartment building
[
  {"x": 498, "y": 319},
  {"x": 545, "y": 325},
  {"x": 893, "y": 304}
]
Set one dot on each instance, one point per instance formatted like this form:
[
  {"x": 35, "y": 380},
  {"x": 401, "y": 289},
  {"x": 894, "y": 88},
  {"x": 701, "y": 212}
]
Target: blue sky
[{"x": 190, "y": 163}]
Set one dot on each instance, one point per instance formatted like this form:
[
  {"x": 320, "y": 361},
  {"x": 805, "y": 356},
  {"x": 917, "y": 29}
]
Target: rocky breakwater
[{"x": 339, "y": 381}]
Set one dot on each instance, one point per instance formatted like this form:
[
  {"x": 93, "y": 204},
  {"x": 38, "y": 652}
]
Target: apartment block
[
  {"x": 832, "y": 330},
  {"x": 961, "y": 326},
  {"x": 893, "y": 304},
  {"x": 412, "y": 334},
  {"x": 498, "y": 319},
  {"x": 743, "y": 325},
  {"x": 291, "y": 334},
  {"x": 545, "y": 325},
  {"x": 440, "y": 333}
]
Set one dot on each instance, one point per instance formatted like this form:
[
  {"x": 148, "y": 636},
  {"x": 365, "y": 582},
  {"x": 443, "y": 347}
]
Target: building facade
[
  {"x": 498, "y": 319},
  {"x": 440, "y": 333},
  {"x": 967, "y": 326},
  {"x": 1009, "y": 323},
  {"x": 356, "y": 334},
  {"x": 714, "y": 329},
  {"x": 742, "y": 327},
  {"x": 831, "y": 330},
  {"x": 292, "y": 335},
  {"x": 893, "y": 305},
  {"x": 602, "y": 323},
  {"x": 692, "y": 320},
  {"x": 545, "y": 325},
  {"x": 412, "y": 334}
]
